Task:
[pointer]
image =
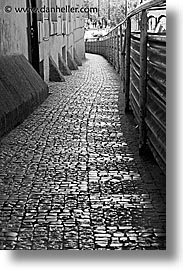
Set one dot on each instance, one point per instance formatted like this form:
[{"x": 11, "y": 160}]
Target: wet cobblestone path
[{"x": 71, "y": 177}]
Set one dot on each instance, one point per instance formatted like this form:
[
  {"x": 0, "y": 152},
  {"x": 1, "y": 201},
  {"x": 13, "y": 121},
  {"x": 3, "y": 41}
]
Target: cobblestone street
[{"x": 71, "y": 176}]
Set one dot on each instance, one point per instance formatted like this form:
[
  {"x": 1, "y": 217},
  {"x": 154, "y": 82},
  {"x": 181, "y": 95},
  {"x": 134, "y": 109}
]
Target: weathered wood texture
[
  {"x": 143, "y": 79},
  {"x": 127, "y": 67},
  {"x": 156, "y": 98}
]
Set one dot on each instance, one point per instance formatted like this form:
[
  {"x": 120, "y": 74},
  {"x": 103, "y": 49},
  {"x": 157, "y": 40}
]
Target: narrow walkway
[{"x": 71, "y": 177}]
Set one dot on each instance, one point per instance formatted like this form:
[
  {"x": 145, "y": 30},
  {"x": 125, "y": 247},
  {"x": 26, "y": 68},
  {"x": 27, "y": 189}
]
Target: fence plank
[
  {"x": 143, "y": 80},
  {"x": 117, "y": 55},
  {"x": 123, "y": 63},
  {"x": 121, "y": 50},
  {"x": 127, "y": 64}
]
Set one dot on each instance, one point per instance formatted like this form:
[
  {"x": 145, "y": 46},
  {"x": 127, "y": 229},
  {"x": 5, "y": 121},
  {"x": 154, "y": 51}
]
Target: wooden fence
[{"x": 140, "y": 59}]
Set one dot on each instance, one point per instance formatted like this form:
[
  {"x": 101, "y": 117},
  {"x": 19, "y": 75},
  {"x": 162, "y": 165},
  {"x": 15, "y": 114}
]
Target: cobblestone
[{"x": 71, "y": 176}]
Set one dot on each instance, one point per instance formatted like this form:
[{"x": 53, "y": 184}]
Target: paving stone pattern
[{"x": 71, "y": 176}]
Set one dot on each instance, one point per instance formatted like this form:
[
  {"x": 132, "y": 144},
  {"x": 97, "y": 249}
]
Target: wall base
[
  {"x": 77, "y": 59},
  {"x": 63, "y": 66},
  {"x": 55, "y": 74},
  {"x": 22, "y": 90},
  {"x": 71, "y": 63}
]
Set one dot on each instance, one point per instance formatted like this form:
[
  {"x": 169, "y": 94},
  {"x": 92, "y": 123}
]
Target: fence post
[
  {"x": 127, "y": 65},
  {"x": 114, "y": 45},
  {"x": 102, "y": 47},
  {"x": 143, "y": 81},
  {"x": 109, "y": 49},
  {"x": 123, "y": 62},
  {"x": 121, "y": 49},
  {"x": 112, "y": 48},
  {"x": 110, "y": 42},
  {"x": 117, "y": 49}
]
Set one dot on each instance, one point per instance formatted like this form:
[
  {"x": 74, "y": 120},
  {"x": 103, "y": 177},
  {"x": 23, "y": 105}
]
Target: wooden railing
[{"x": 140, "y": 59}]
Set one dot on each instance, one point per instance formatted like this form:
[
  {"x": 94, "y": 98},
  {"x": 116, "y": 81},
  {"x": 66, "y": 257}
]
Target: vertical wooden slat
[
  {"x": 114, "y": 38},
  {"x": 143, "y": 80},
  {"x": 121, "y": 49},
  {"x": 110, "y": 48},
  {"x": 105, "y": 47},
  {"x": 117, "y": 49},
  {"x": 123, "y": 63},
  {"x": 127, "y": 66}
]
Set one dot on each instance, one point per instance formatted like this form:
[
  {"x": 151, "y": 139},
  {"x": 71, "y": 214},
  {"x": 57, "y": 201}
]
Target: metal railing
[{"x": 140, "y": 59}]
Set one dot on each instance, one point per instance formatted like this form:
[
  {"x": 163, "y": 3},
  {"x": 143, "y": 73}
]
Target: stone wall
[
  {"x": 21, "y": 91},
  {"x": 61, "y": 33},
  {"x": 13, "y": 29}
]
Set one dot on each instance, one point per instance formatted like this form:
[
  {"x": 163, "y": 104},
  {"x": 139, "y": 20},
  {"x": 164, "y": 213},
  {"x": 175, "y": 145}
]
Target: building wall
[
  {"x": 75, "y": 33},
  {"x": 57, "y": 32},
  {"x": 13, "y": 29}
]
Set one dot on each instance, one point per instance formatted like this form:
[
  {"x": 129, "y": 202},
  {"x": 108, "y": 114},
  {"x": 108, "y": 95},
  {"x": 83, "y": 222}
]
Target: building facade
[
  {"x": 42, "y": 30},
  {"x": 13, "y": 29}
]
